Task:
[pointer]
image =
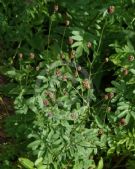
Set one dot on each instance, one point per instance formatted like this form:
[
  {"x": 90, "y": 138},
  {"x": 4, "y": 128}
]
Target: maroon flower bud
[
  {"x": 20, "y": 56},
  {"x": 62, "y": 55},
  {"x": 111, "y": 9},
  {"x": 58, "y": 72},
  {"x": 131, "y": 58},
  {"x": 89, "y": 45},
  {"x": 100, "y": 132},
  {"x": 37, "y": 68},
  {"x": 108, "y": 109},
  {"x": 32, "y": 55},
  {"x": 125, "y": 72},
  {"x": 64, "y": 78},
  {"x": 70, "y": 41},
  {"x": 122, "y": 121},
  {"x": 72, "y": 54},
  {"x": 76, "y": 74},
  {"x": 106, "y": 60},
  {"x": 56, "y": 8},
  {"x": 46, "y": 102},
  {"x": 67, "y": 22},
  {"x": 79, "y": 68},
  {"x": 106, "y": 97},
  {"x": 110, "y": 95},
  {"x": 86, "y": 84}
]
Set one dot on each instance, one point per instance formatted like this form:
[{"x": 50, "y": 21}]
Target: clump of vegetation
[{"x": 70, "y": 72}]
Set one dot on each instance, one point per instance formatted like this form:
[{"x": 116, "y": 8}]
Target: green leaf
[
  {"x": 122, "y": 141},
  {"x": 28, "y": 164},
  {"x": 34, "y": 144},
  {"x": 122, "y": 114},
  {"x": 98, "y": 121},
  {"x": 111, "y": 151},
  {"x": 133, "y": 114},
  {"x": 75, "y": 32},
  {"x": 77, "y": 38},
  {"x": 100, "y": 164},
  {"x": 110, "y": 89},
  {"x": 132, "y": 71},
  {"x": 79, "y": 51},
  {"x": 42, "y": 167},
  {"x": 38, "y": 161},
  {"x": 76, "y": 44},
  {"x": 78, "y": 165}
]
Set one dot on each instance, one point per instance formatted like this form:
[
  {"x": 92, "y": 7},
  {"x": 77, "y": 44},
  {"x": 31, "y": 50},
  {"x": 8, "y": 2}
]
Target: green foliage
[
  {"x": 60, "y": 136},
  {"x": 122, "y": 143},
  {"x": 130, "y": 164},
  {"x": 71, "y": 72}
]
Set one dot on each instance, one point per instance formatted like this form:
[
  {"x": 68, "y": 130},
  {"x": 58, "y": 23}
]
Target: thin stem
[
  {"x": 100, "y": 40},
  {"x": 80, "y": 95},
  {"x": 63, "y": 38},
  {"x": 19, "y": 45},
  {"x": 48, "y": 41}
]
